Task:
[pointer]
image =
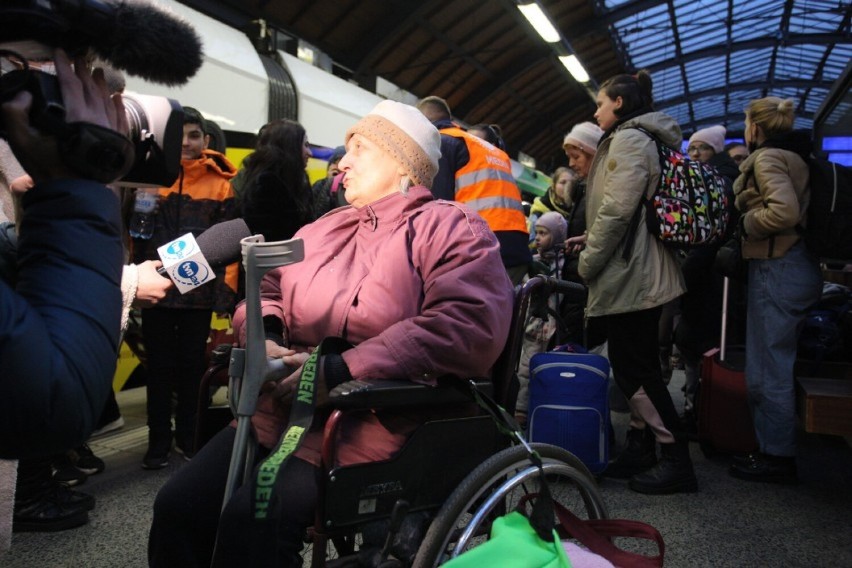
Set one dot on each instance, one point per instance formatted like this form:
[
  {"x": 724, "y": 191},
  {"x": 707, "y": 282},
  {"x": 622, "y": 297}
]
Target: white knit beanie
[
  {"x": 713, "y": 136},
  {"x": 556, "y": 224},
  {"x": 403, "y": 132},
  {"x": 584, "y": 136}
]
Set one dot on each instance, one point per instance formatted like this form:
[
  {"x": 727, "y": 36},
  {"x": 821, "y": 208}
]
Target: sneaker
[
  {"x": 157, "y": 456},
  {"x": 58, "y": 510},
  {"x": 187, "y": 453},
  {"x": 185, "y": 447},
  {"x": 155, "y": 459},
  {"x": 66, "y": 473},
  {"x": 87, "y": 461},
  {"x": 116, "y": 424}
]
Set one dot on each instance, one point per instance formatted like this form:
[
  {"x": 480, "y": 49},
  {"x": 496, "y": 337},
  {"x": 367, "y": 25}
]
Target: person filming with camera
[{"x": 60, "y": 318}]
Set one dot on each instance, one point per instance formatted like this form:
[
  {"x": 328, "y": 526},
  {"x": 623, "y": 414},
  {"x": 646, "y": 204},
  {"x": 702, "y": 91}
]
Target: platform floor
[{"x": 727, "y": 523}]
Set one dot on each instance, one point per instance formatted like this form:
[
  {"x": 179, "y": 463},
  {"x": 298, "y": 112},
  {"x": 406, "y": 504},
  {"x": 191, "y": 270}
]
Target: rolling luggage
[
  {"x": 569, "y": 405},
  {"x": 724, "y": 418}
]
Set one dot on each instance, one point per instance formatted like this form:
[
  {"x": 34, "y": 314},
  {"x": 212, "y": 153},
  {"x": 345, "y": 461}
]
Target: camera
[
  {"x": 156, "y": 131},
  {"x": 151, "y": 157},
  {"x": 131, "y": 36}
]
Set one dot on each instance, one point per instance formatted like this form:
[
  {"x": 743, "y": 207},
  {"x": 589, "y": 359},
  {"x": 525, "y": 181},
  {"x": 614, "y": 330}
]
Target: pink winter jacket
[{"x": 417, "y": 285}]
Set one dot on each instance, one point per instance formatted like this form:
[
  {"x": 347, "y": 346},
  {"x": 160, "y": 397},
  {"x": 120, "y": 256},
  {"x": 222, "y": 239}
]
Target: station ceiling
[{"x": 707, "y": 58}]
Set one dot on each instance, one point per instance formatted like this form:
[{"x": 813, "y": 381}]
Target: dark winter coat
[{"x": 59, "y": 324}]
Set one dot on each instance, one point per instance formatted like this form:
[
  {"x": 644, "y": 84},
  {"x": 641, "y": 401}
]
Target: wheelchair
[{"x": 439, "y": 494}]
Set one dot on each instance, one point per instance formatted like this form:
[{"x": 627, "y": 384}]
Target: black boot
[
  {"x": 673, "y": 473},
  {"x": 638, "y": 455},
  {"x": 58, "y": 509},
  {"x": 764, "y": 467}
]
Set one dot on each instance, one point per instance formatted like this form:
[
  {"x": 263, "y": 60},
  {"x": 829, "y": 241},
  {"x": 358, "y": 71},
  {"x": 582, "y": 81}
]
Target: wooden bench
[{"x": 825, "y": 405}]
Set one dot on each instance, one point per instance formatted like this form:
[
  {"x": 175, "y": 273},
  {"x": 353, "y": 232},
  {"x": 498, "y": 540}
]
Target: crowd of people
[{"x": 416, "y": 237}]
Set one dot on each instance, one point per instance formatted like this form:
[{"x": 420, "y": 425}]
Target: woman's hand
[
  {"x": 282, "y": 391},
  {"x": 575, "y": 244},
  {"x": 151, "y": 287}
]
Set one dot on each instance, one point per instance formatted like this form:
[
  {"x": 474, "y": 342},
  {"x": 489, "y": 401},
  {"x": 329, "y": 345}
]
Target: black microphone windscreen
[
  {"x": 220, "y": 244},
  {"x": 147, "y": 42}
]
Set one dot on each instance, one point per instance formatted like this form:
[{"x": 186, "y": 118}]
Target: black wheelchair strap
[
  {"x": 505, "y": 422},
  {"x": 301, "y": 418},
  {"x": 542, "y": 515}
]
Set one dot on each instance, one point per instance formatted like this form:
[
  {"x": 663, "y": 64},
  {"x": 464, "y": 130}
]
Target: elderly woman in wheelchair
[{"x": 417, "y": 287}]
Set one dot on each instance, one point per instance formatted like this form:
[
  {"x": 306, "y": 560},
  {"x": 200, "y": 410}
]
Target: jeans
[{"x": 780, "y": 292}]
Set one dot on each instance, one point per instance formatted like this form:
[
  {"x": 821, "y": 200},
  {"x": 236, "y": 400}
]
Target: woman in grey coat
[{"x": 629, "y": 272}]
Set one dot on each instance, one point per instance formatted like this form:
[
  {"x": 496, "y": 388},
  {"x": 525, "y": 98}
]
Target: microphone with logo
[{"x": 191, "y": 262}]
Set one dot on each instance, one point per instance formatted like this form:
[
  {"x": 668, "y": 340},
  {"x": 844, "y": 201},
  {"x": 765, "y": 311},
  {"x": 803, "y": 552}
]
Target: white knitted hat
[
  {"x": 713, "y": 136},
  {"x": 403, "y": 132},
  {"x": 584, "y": 136}
]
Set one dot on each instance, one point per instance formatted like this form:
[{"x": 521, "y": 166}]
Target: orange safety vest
[{"x": 486, "y": 184}]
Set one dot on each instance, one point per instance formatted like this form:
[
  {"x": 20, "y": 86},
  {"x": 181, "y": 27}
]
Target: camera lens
[{"x": 156, "y": 131}]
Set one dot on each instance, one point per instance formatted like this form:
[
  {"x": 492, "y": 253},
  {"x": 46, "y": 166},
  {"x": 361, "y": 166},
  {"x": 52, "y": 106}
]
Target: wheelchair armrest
[
  {"x": 221, "y": 354},
  {"x": 384, "y": 393}
]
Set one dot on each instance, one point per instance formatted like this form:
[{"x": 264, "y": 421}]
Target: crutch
[{"x": 249, "y": 368}]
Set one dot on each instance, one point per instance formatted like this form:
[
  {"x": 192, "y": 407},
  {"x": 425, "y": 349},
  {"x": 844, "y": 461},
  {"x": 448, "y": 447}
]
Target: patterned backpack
[{"x": 690, "y": 207}]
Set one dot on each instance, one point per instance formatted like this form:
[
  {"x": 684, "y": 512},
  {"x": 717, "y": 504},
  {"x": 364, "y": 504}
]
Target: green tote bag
[{"x": 514, "y": 542}]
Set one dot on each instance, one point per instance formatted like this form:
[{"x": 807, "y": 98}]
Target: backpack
[
  {"x": 828, "y": 234},
  {"x": 689, "y": 209},
  {"x": 825, "y": 332}
]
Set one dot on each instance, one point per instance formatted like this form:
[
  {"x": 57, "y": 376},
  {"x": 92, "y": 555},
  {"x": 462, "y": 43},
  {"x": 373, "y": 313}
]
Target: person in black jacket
[
  {"x": 59, "y": 322},
  {"x": 277, "y": 198},
  {"x": 326, "y": 193},
  {"x": 701, "y": 307}
]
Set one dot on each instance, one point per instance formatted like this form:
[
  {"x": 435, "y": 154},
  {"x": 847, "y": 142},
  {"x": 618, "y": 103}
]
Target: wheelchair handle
[
  {"x": 572, "y": 290},
  {"x": 510, "y": 358}
]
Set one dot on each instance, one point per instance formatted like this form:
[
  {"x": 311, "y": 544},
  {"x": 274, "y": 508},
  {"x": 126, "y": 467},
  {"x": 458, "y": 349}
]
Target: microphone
[
  {"x": 190, "y": 262},
  {"x": 137, "y": 37},
  {"x": 220, "y": 243},
  {"x": 147, "y": 42}
]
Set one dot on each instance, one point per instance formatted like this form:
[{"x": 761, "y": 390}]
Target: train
[{"x": 241, "y": 90}]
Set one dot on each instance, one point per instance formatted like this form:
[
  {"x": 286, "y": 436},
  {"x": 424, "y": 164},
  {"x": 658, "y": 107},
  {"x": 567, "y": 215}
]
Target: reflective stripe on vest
[{"x": 486, "y": 185}]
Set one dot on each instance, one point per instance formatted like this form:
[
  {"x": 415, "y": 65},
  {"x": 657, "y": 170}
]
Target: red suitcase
[{"x": 724, "y": 418}]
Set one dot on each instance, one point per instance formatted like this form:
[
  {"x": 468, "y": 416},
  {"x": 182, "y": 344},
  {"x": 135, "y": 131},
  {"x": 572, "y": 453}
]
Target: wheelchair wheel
[{"x": 495, "y": 487}]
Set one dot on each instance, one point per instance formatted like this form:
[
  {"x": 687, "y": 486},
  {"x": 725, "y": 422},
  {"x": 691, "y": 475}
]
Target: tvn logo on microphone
[{"x": 185, "y": 264}]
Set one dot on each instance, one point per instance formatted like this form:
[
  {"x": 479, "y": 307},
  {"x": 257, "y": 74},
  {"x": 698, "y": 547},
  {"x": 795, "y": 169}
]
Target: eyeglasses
[{"x": 698, "y": 148}]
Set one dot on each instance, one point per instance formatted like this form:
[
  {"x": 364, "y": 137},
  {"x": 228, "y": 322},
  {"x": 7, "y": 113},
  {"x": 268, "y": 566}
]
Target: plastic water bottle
[{"x": 142, "y": 221}]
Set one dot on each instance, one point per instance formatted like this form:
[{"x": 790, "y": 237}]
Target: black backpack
[{"x": 829, "y": 231}]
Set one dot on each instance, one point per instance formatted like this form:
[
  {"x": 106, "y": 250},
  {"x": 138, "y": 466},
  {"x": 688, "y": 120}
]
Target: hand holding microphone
[
  {"x": 189, "y": 262},
  {"x": 151, "y": 286}
]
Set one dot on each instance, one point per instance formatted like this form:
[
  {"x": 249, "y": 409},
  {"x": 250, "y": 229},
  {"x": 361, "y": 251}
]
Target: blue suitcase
[{"x": 569, "y": 406}]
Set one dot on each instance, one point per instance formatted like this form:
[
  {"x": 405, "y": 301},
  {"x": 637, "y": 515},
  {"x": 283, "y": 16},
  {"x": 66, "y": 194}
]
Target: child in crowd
[{"x": 550, "y": 232}]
